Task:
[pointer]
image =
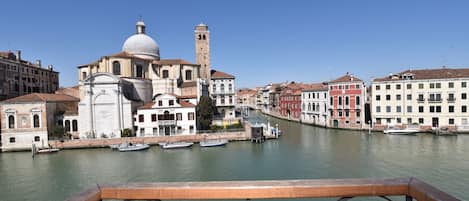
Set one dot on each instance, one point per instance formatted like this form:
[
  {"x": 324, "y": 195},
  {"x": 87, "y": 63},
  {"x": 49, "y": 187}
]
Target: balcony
[
  {"x": 344, "y": 189},
  {"x": 451, "y": 100},
  {"x": 420, "y": 100},
  {"x": 166, "y": 122},
  {"x": 435, "y": 100}
]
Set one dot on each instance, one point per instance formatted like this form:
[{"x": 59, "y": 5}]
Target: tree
[
  {"x": 126, "y": 132},
  {"x": 204, "y": 112},
  {"x": 57, "y": 132}
]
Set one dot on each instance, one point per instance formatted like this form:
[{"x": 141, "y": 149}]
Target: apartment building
[{"x": 314, "y": 107}]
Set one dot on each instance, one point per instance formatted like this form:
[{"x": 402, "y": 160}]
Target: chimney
[
  {"x": 18, "y": 55},
  {"x": 38, "y": 62},
  {"x": 50, "y": 67}
]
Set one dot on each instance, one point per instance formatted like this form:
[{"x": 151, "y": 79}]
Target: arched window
[
  {"x": 314, "y": 107},
  {"x": 346, "y": 100},
  {"x": 230, "y": 87},
  {"x": 11, "y": 121},
  {"x": 36, "y": 121},
  {"x": 74, "y": 125},
  {"x": 204, "y": 37},
  {"x": 188, "y": 75},
  {"x": 222, "y": 87},
  {"x": 67, "y": 125},
  {"x": 165, "y": 74},
  {"x": 340, "y": 100},
  {"x": 139, "y": 71},
  {"x": 200, "y": 37},
  {"x": 116, "y": 68},
  {"x": 317, "y": 107},
  {"x": 357, "y": 100}
]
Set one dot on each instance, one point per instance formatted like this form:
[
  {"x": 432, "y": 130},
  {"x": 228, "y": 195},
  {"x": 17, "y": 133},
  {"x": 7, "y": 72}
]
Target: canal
[{"x": 303, "y": 152}]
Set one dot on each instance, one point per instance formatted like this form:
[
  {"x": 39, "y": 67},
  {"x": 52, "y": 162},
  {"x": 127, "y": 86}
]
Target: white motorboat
[
  {"x": 400, "y": 131},
  {"x": 213, "y": 143},
  {"x": 176, "y": 145},
  {"x": 134, "y": 147},
  {"x": 116, "y": 146}
]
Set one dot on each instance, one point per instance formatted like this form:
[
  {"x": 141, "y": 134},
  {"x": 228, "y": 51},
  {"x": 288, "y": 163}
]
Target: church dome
[{"x": 141, "y": 44}]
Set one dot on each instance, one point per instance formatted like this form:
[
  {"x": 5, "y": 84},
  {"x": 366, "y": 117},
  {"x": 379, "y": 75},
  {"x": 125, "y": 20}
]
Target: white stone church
[{"x": 115, "y": 86}]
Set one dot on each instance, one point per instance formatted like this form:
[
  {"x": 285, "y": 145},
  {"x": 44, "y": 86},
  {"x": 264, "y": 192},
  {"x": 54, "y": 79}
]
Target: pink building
[{"x": 347, "y": 102}]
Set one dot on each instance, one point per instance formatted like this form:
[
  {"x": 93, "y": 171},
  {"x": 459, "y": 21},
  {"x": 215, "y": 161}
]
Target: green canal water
[{"x": 303, "y": 152}]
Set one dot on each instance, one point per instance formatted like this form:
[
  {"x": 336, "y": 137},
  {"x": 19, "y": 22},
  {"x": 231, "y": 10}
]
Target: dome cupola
[{"x": 141, "y": 44}]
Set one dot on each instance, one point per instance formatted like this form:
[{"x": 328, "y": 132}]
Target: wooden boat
[
  {"x": 213, "y": 143},
  {"x": 176, "y": 145},
  {"x": 47, "y": 151},
  {"x": 400, "y": 131},
  {"x": 131, "y": 147}
]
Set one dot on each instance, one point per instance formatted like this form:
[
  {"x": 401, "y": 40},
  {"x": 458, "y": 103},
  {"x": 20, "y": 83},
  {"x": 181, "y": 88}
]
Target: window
[
  {"x": 140, "y": 118},
  {"x": 191, "y": 129},
  {"x": 451, "y": 97},
  {"x": 420, "y": 98},
  {"x": 409, "y": 96},
  {"x": 420, "y": 85},
  {"x": 463, "y": 108},
  {"x": 190, "y": 116},
  {"x": 74, "y": 125},
  {"x": 171, "y": 102},
  {"x": 438, "y": 108},
  {"x": 451, "y": 108},
  {"x": 398, "y": 120},
  {"x": 388, "y": 97},
  {"x": 222, "y": 99},
  {"x": 420, "y": 109},
  {"x": 214, "y": 88},
  {"x": 409, "y": 86},
  {"x": 340, "y": 113},
  {"x": 388, "y": 120},
  {"x": 357, "y": 86},
  {"x": 388, "y": 86},
  {"x": 116, "y": 68},
  {"x": 67, "y": 125},
  {"x": 347, "y": 113},
  {"x": 450, "y": 84},
  {"x": 155, "y": 131},
  {"x": 83, "y": 75},
  {"x": 179, "y": 116},
  {"x": 388, "y": 109},
  {"x": 451, "y": 121},
  {"x": 432, "y": 85},
  {"x": 340, "y": 100},
  {"x": 36, "y": 121},
  {"x": 409, "y": 109},
  {"x": 160, "y": 103},
  {"x": 398, "y": 108},
  {"x": 421, "y": 121},
  {"x": 398, "y": 86},
  {"x": 398, "y": 97},
  {"x": 37, "y": 139},
  {"x": 153, "y": 117},
  {"x": 377, "y": 87},
  {"x": 378, "y": 109},
  {"x": 11, "y": 121},
  {"x": 463, "y": 84},
  {"x": 464, "y": 96},
  {"x": 357, "y": 100},
  {"x": 142, "y": 131},
  {"x": 358, "y": 114},
  {"x": 165, "y": 74},
  {"x": 432, "y": 108},
  {"x": 230, "y": 88},
  {"x": 378, "y": 97},
  {"x": 139, "y": 71},
  {"x": 437, "y": 85},
  {"x": 347, "y": 100},
  {"x": 409, "y": 120},
  {"x": 12, "y": 140},
  {"x": 188, "y": 75},
  {"x": 230, "y": 99}
]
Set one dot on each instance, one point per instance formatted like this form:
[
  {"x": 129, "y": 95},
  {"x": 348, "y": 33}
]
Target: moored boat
[
  {"x": 131, "y": 147},
  {"x": 400, "y": 131},
  {"x": 176, "y": 145},
  {"x": 47, "y": 151},
  {"x": 213, "y": 143}
]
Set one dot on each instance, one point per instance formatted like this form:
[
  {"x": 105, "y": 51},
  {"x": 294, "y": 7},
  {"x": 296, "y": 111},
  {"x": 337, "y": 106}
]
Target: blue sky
[{"x": 257, "y": 41}]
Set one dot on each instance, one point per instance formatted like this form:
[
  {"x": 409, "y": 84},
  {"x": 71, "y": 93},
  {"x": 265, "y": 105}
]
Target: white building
[
  {"x": 29, "y": 119},
  {"x": 223, "y": 92},
  {"x": 166, "y": 115},
  {"x": 314, "y": 105},
  {"x": 431, "y": 98}
]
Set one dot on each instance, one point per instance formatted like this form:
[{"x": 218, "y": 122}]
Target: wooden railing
[{"x": 343, "y": 189}]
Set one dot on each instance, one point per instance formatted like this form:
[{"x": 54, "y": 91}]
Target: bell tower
[{"x": 202, "y": 49}]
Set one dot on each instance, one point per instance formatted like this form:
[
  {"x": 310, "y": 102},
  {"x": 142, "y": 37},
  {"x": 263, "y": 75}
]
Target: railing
[
  {"x": 166, "y": 122},
  {"x": 435, "y": 100},
  {"x": 451, "y": 100},
  {"x": 420, "y": 100},
  {"x": 344, "y": 189}
]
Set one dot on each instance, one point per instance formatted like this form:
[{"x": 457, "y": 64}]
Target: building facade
[
  {"x": 347, "y": 102},
  {"x": 31, "y": 118},
  {"x": 166, "y": 115},
  {"x": 290, "y": 103},
  {"x": 430, "y": 98},
  {"x": 314, "y": 105},
  {"x": 19, "y": 77},
  {"x": 223, "y": 92}
]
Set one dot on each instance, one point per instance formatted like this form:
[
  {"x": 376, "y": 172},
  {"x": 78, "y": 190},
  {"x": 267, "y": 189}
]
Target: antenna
[{"x": 140, "y": 17}]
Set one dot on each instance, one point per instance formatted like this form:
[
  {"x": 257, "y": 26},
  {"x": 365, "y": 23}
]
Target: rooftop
[
  {"x": 219, "y": 74},
  {"x": 346, "y": 78},
  {"x": 425, "y": 74},
  {"x": 42, "y": 97}
]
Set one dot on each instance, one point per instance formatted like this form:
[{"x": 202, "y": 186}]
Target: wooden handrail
[{"x": 266, "y": 190}]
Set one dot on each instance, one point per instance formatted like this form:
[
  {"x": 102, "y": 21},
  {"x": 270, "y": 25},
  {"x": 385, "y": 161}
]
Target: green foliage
[
  {"x": 204, "y": 112},
  {"x": 236, "y": 125},
  {"x": 57, "y": 132},
  {"x": 126, "y": 132}
]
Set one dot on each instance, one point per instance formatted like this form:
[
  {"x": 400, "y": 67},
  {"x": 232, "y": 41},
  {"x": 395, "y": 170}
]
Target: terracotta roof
[
  {"x": 425, "y": 74},
  {"x": 7, "y": 54},
  {"x": 219, "y": 74},
  {"x": 183, "y": 103},
  {"x": 316, "y": 87},
  {"x": 172, "y": 61},
  {"x": 187, "y": 96},
  {"x": 147, "y": 105},
  {"x": 71, "y": 91},
  {"x": 346, "y": 78},
  {"x": 243, "y": 92},
  {"x": 189, "y": 84},
  {"x": 119, "y": 55},
  {"x": 42, "y": 97}
]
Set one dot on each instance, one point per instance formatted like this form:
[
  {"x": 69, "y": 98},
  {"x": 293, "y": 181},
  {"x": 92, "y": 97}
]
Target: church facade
[{"x": 113, "y": 87}]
